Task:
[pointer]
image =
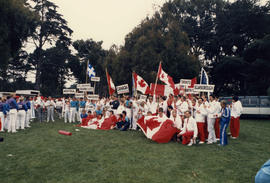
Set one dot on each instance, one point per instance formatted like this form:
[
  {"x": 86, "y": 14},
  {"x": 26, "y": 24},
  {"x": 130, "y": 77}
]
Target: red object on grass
[{"x": 64, "y": 133}]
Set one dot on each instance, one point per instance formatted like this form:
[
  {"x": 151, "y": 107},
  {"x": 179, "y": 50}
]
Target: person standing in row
[
  {"x": 50, "y": 105},
  {"x": 236, "y": 111},
  {"x": 224, "y": 122},
  {"x": 3, "y": 114},
  {"x": 74, "y": 106},
  {"x": 13, "y": 107},
  {"x": 22, "y": 109}
]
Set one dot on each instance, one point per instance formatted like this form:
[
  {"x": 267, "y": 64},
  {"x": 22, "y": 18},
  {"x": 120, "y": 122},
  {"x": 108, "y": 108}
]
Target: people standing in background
[
  {"x": 3, "y": 114},
  {"x": 211, "y": 119},
  {"x": 21, "y": 115},
  {"x": 13, "y": 107},
  {"x": 59, "y": 107},
  {"x": 67, "y": 111},
  {"x": 217, "y": 125},
  {"x": 74, "y": 106},
  {"x": 40, "y": 106},
  {"x": 82, "y": 104},
  {"x": 50, "y": 105},
  {"x": 200, "y": 114},
  {"x": 236, "y": 111},
  {"x": 28, "y": 112},
  {"x": 224, "y": 122}
]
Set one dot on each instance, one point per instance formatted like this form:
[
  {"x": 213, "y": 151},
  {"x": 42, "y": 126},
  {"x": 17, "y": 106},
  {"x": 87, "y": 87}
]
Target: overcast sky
[{"x": 106, "y": 20}]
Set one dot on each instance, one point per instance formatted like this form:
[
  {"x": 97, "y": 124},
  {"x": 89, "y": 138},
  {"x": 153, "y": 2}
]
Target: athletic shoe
[
  {"x": 190, "y": 144},
  {"x": 209, "y": 142},
  {"x": 233, "y": 137},
  {"x": 201, "y": 142},
  {"x": 218, "y": 139}
]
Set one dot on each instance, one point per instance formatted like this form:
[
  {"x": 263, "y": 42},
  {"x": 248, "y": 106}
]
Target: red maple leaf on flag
[
  {"x": 142, "y": 83},
  {"x": 162, "y": 75}
]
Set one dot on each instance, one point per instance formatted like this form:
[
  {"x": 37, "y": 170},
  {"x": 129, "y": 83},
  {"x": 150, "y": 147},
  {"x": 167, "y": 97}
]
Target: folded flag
[{"x": 158, "y": 129}]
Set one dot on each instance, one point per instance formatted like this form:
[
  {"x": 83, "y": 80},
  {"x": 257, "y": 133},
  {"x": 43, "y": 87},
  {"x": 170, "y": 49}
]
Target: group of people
[
  {"x": 15, "y": 113},
  {"x": 195, "y": 117}
]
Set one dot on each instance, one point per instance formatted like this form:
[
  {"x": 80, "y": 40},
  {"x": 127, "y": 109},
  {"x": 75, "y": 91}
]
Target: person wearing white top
[
  {"x": 182, "y": 106},
  {"x": 236, "y": 111},
  {"x": 211, "y": 119},
  {"x": 176, "y": 120},
  {"x": 135, "y": 110},
  {"x": 163, "y": 104},
  {"x": 190, "y": 131},
  {"x": 217, "y": 126},
  {"x": 66, "y": 110},
  {"x": 152, "y": 106},
  {"x": 50, "y": 105},
  {"x": 200, "y": 114}
]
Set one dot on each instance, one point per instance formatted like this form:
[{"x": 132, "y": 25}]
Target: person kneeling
[
  {"x": 189, "y": 132},
  {"x": 123, "y": 125}
]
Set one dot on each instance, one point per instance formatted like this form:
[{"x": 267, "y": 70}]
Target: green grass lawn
[{"x": 40, "y": 154}]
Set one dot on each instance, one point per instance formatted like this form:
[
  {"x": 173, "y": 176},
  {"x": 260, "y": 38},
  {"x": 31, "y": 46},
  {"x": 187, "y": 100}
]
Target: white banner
[
  {"x": 122, "y": 89},
  {"x": 79, "y": 95},
  {"x": 93, "y": 97},
  {"x": 143, "y": 98},
  {"x": 204, "y": 88},
  {"x": 86, "y": 89},
  {"x": 87, "y": 85},
  {"x": 186, "y": 82},
  {"x": 69, "y": 91},
  {"x": 95, "y": 79}
]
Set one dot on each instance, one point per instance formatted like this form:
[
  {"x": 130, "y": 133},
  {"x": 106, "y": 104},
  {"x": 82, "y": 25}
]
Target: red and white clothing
[
  {"x": 189, "y": 130},
  {"x": 182, "y": 107},
  {"x": 200, "y": 114},
  {"x": 177, "y": 121},
  {"x": 236, "y": 112},
  {"x": 152, "y": 107}
]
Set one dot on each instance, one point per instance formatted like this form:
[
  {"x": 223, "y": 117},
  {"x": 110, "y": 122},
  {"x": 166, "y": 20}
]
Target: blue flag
[
  {"x": 204, "y": 77},
  {"x": 91, "y": 71}
]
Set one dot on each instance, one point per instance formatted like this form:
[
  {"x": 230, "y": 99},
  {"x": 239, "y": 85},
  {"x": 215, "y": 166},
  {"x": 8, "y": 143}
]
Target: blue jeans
[
  {"x": 123, "y": 126},
  {"x": 223, "y": 134}
]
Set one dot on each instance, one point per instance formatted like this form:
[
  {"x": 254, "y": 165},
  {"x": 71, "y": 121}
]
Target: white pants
[
  {"x": 80, "y": 112},
  {"x": 73, "y": 112},
  {"x": 12, "y": 120},
  {"x": 7, "y": 121},
  {"x": 211, "y": 130},
  {"x": 27, "y": 118},
  {"x": 2, "y": 118},
  {"x": 21, "y": 118},
  {"x": 50, "y": 113},
  {"x": 67, "y": 116}
]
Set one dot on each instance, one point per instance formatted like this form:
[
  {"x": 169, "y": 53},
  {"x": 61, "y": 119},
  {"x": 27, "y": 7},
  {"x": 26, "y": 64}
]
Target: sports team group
[{"x": 198, "y": 119}]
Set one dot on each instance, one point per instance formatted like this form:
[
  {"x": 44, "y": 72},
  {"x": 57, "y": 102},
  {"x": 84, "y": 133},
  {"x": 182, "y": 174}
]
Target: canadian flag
[
  {"x": 162, "y": 90},
  {"x": 193, "y": 82},
  {"x": 140, "y": 84},
  {"x": 158, "y": 129},
  {"x": 108, "y": 123},
  {"x": 164, "y": 77},
  {"x": 110, "y": 83}
]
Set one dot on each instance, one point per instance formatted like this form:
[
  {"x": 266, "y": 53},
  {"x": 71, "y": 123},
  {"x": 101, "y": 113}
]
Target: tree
[
  {"x": 17, "y": 23},
  {"x": 51, "y": 27},
  {"x": 155, "y": 39},
  {"x": 92, "y": 52}
]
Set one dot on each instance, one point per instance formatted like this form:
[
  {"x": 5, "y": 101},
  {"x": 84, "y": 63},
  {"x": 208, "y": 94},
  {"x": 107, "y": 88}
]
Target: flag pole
[
  {"x": 107, "y": 81},
  {"x": 87, "y": 63},
  {"x": 154, "y": 98}
]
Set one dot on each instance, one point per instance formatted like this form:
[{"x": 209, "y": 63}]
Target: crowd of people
[{"x": 195, "y": 117}]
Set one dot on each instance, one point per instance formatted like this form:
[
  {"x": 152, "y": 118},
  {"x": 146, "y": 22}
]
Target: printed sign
[
  {"x": 143, "y": 97},
  {"x": 69, "y": 91},
  {"x": 186, "y": 82},
  {"x": 93, "y": 97},
  {"x": 79, "y": 95},
  {"x": 83, "y": 85},
  {"x": 122, "y": 89},
  {"x": 95, "y": 79},
  {"x": 204, "y": 88},
  {"x": 86, "y": 89}
]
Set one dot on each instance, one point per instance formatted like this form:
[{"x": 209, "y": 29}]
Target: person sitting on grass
[
  {"x": 123, "y": 125},
  {"x": 84, "y": 118},
  {"x": 224, "y": 123},
  {"x": 189, "y": 132}
]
